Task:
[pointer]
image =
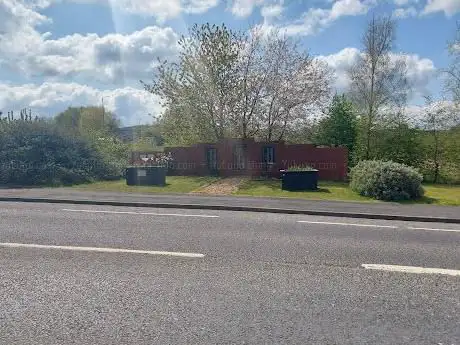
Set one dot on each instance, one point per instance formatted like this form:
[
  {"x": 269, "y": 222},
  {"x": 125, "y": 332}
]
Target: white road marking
[
  {"x": 143, "y": 213},
  {"x": 100, "y": 250},
  {"x": 350, "y": 224},
  {"x": 411, "y": 269},
  {"x": 430, "y": 229}
]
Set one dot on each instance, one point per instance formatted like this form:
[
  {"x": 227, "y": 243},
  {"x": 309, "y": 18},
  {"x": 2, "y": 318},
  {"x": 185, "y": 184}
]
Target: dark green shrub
[
  {"x": 386, "y": 180},
  {"x": 38, "y": 153}
]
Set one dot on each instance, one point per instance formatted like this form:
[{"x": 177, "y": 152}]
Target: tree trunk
[{"x": 436, "y": 160}]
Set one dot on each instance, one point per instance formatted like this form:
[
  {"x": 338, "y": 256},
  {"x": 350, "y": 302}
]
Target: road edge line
[{"x": 99, "y": 249}]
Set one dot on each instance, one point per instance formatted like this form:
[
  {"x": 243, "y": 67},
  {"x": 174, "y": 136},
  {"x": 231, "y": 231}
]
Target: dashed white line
[
  {"x": 143, "y": 213},
  {"x": 350, "y": 224},
  {"x": 376, "y": 226},
  {"x": 430, "y": 229},
  {"x": 411, "y": 269},
  {"x": 100, "y": 250}
]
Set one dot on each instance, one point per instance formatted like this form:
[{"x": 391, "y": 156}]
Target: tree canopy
[{"x": 230, "y": 84}]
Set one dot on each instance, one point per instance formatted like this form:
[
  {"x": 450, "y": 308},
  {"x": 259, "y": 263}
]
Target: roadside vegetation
[
  {"x": 341, "y": 191},
  {"x": 174, "y": 184},
  {"x": 260, "y": 85}
]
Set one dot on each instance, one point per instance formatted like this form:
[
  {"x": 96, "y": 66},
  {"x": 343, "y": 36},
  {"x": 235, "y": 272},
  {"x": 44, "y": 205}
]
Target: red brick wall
[{"x": 331, "y": 162}]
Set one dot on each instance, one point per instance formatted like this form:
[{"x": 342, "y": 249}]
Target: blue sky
[{"x": 57, "y": 53}]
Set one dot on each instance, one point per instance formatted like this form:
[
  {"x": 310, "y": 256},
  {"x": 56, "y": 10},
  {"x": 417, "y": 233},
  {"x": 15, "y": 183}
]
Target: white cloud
[
  {"x": 271, "y": 11},
  {"x": 113, "y": 58},
  {"x": 14, "y": 15},
  {"x": 404, "y": 2},
  {"x": 449, "y": 7},
  {"x": 131, "y": 105},
  {"x": 340, "y": 62},
  {"x": 244, "y": 8},
  {"x": 405, "y": 12},
  {"x": 343, "y": 8},
  {"x": 160, "y": 9},
  {"x": 198, "y": 6},
  {"x": 316, "y": 19},
  {"x": 420, "y": 71}
]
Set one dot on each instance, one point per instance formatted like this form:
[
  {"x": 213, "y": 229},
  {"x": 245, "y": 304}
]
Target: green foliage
[
  {"x": 300, "y": 168},
  {"x": 40, "y": 153},
  {"x": 443, "y": 151},
  {"x": 86, "y": 120},
  {"x": 99, "y": 129},
  {"x": 147, "y": 137},
  {"x": 198, "y": 91},
  {"x": 386, "y": 180},
  {"x": 399, "y": 143},
  {"x": 339, "y": 127}
]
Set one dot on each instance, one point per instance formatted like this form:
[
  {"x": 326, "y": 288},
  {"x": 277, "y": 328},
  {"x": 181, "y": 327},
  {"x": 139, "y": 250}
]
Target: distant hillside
[
  {"x": 147, "y": 135},
  {"x": 127, "y": 134}
]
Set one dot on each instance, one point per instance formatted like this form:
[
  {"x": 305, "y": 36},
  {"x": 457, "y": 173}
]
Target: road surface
[{"x": 74, "y": 274}]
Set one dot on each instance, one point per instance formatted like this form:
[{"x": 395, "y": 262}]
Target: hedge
[{"x": 386, "y": 180}]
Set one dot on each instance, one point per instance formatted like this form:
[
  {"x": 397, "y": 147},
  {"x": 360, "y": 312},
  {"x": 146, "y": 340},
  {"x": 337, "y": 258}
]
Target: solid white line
[
  {"x": 101, "y": 250},
  {"x": 430, "y": 229},
  {"x": 411, "y": 269},
  {"x": 350, "y": 224},
  {"x": 143, "y": 213}
]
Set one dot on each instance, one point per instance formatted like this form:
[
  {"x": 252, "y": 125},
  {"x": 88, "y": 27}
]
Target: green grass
[
  {"x": 174, "y": 184},
  {"x": 434, "y": 194},
  {"x": 441, "y": 195}
]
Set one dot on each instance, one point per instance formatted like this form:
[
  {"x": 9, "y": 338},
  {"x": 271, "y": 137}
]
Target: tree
[
  {"x": 199, "y": 90},
  {"x": 89, "y": 120},
  {"x": 292, "y": 83},
  {"x": 24, "y": 115},
  {"x": 452, "y": 81},
  {"x": 338, "y": 127},
  {"x": 378, "y": 81},
  {"x": 398, "y": 141},
  {"x": 226, "y": 83},
  {"x": 99, "y": 129},
  {"x": 437, "y": 119}
]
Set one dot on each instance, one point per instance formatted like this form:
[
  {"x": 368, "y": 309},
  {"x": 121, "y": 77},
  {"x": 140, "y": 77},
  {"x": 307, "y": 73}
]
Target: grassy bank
[
  {"x": 434, "y": 194},
  {"x": 174, "y": 184}
]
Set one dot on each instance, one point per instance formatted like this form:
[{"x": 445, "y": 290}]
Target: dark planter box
[
  {"x": 146, "y": 176},
  {"x": 299, "y": 180}
]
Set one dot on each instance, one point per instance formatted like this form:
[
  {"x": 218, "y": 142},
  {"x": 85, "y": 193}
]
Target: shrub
[
  {"x": 37, "y": 153},
  {"x": 300, "y": 168},
  {"x": 386, "y": 180}
]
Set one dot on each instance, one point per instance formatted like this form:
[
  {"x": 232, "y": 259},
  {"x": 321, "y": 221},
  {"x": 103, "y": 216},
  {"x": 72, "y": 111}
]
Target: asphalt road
[
  {"x": 216, "y": 277},
  {"x": 203, "y": 201}
]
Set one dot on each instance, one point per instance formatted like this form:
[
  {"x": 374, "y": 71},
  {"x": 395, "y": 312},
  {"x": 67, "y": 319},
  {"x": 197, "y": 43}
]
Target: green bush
[
  {"x": 386, "y": 180},
  {"x": 38, "y": 153}
]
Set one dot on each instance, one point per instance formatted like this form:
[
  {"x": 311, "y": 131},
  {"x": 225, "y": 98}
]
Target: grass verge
[
  {"x": 441, "y": 195},
  {"x": 174, "y": 184},
  {"x": 434, "y": 194}
]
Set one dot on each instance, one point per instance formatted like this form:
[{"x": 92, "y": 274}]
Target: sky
[{"x": 60, "y": 53}]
